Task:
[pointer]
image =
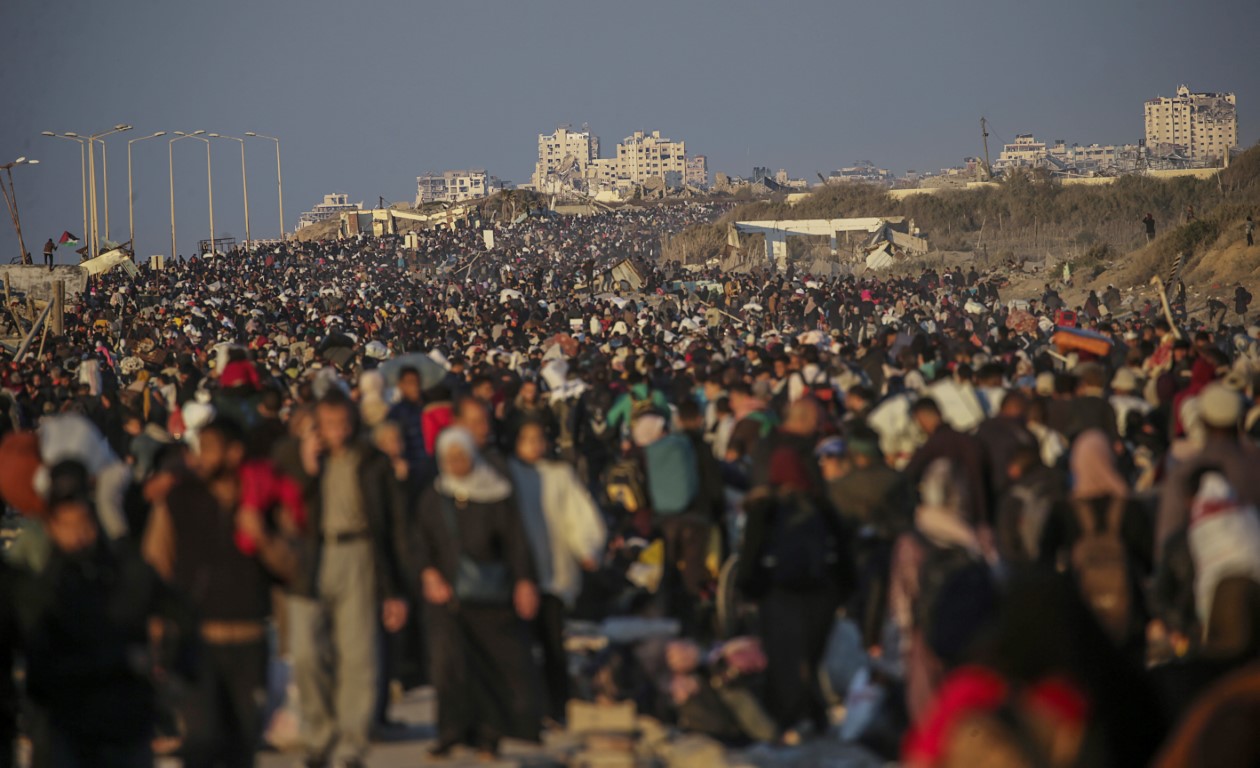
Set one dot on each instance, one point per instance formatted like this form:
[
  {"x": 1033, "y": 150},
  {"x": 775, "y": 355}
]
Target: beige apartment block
[
  {"x": 644, "y": 156},
  {"x": 563, "y": 158},
  {"x": 1198, "y": 126}
]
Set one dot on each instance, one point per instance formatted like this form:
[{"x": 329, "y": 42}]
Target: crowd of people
[{"x": 1014, "y": 530}]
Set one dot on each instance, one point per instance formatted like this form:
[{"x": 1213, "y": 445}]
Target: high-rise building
[
  {"x": 644, "y": 156},
  {"x": 455, "y": 186},
  {"x": 1197, "y": 126},
  {"x": 563, "y": 158}
]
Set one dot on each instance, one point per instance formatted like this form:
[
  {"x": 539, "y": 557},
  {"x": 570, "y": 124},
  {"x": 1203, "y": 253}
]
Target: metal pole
[
  {"x": 131, "y": 203},
  {"x": 93, "y": 247},
  {"x": 245, "y": 192},
  {"x": 17, "y": 222},
  {"x": 210, "y": 189},
  {"x": 10, "y": 198},
  {"x": 170, "y": 165},
  {"x": 280, "y": 184},
  {"x": 83, "y": 180},
  {"x": 244, "y": 181},
  {"x": 83, "y": 173},
  {"x": 59, "y": 307},
  {"x": 105, "y": 184}
]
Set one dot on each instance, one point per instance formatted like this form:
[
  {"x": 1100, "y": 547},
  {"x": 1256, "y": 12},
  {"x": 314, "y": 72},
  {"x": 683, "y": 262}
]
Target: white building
[
  {"x": 455, "y": 186},
  {"x": 331, "y": 208}
]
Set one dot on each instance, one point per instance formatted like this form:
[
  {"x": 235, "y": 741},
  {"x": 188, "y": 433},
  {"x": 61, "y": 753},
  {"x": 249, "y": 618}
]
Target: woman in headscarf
[
  {"x": 1101, "y": 499},
  {"x": 478, "y": 579}
]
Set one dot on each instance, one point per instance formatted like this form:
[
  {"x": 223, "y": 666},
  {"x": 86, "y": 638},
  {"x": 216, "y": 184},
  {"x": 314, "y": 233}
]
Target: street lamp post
[
  {"x": 91, "y": 140},
  {"x": 104, "y": 182},
  {"x": 244, "y": 181},
  {"x": 10, "y": 199},
  {"x": 279, "y": 177},
  {"x": 131, "y": 200},
  {"x": 82, "y": 170},
  {"x": 180, "y": 135},
  {"x": 89, "y": 205}
]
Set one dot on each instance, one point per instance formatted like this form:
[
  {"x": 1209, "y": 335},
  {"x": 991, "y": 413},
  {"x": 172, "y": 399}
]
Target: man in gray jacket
[{"x": 350, "y": 563}]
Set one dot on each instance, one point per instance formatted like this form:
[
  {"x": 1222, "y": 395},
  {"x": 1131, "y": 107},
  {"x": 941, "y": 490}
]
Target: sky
[{"x": 366, "y": 96}]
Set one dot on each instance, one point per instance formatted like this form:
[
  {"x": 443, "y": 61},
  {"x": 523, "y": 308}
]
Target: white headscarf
[{"x": 482, "y": 486}]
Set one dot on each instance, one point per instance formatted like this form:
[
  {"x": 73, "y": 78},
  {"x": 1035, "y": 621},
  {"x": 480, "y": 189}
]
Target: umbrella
[{"x": 431, "y": 371}]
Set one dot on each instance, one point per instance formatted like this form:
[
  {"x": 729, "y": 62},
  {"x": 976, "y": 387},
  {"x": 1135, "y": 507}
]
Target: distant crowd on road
[{"x": 982, "y": 526}]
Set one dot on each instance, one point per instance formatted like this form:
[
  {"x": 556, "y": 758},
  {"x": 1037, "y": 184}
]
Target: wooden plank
[{"x": 59, "y": 307}]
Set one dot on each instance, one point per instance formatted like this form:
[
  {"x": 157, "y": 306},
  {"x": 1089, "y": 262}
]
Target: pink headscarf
[{"x": 1093, "y": 467}]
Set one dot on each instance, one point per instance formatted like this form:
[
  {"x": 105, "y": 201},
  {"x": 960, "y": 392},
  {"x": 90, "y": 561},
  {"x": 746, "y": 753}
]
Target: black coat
[
  {"x": 488, "y": 533},
  {"x": 384, "y": 506},
  {"x": 84, "y": 629}
]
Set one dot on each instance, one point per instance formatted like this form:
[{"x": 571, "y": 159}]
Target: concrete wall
[
  {"x": 1175, "y": 173},
  {"x": 38, "y": 281},
  {"x": 1089, "y": 181}
]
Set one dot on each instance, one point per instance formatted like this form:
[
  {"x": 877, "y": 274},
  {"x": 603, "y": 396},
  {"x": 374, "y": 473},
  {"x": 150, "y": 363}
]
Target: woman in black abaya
[{"x": 477, "y": 577}]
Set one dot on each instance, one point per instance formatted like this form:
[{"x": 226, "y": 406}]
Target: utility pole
[
  {"x": 984, "y": 136},
  {"x": 10, "y": 199}
]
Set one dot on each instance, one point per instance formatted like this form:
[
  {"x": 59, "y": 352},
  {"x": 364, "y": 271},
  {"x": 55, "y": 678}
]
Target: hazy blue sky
[{"x": 367, "y": 95}]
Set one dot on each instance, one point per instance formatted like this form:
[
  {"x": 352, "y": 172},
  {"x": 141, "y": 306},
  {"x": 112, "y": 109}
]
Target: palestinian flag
[{"x": 66, "y": 237}]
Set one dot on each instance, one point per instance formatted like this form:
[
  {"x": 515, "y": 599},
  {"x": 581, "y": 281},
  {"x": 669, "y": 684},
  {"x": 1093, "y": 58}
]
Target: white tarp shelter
[{"x": 778, "y": 231}]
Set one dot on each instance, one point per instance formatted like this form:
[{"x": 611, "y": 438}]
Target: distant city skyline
[{"x": 365, "y": 98}]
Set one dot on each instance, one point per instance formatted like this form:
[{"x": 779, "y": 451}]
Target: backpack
[
  {"x": 624, "y": 486},
  {"x": 1101, "y": 566},
  {"x": 673, "y": 476},
  {"x": 947, "y": 573},
  {"x": 641, "y": 406},
  {"x": 802, "y": 552}
]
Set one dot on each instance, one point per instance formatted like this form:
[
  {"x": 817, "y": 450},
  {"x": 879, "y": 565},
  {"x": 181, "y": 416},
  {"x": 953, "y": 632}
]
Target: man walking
[
  {"x": 214, "y": 537},
  {"x": 1149, "y": 222},
  {"x": 49, "y": 249},
  {"x": 349, "y": 562},
  {"x": 1249, "y": 228}
]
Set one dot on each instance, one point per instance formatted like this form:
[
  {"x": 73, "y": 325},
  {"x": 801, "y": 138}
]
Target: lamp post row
[{"x": 87, "y": 162}]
